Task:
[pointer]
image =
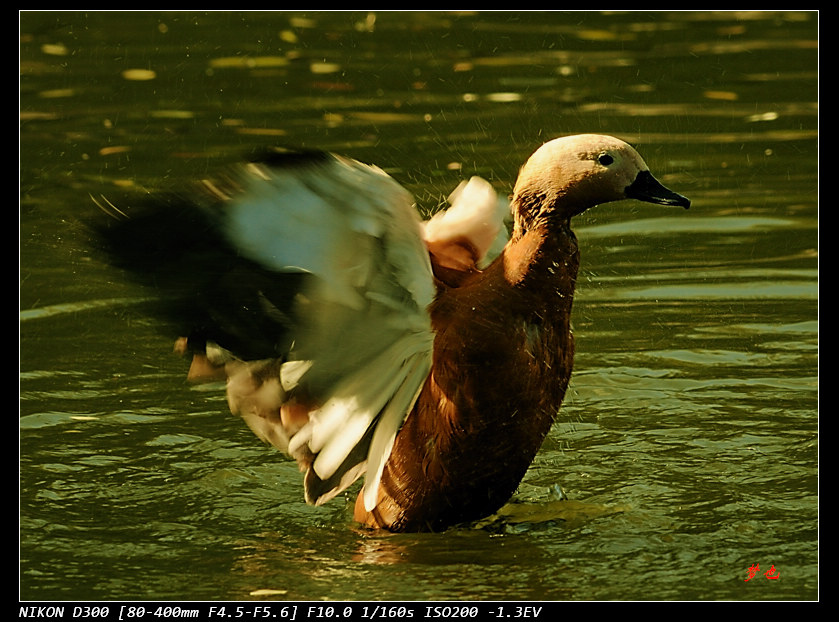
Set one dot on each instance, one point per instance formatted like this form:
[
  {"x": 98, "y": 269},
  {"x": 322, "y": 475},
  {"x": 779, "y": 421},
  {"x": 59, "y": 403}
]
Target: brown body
[{"x": 503, "y": 354}]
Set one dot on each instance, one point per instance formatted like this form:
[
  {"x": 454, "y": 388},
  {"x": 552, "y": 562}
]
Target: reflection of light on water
[
  {"x": 383, "y": 549},
  {"x": 267, "y": 592},
  {"x": 710, "y": 109},
  {"x": 503, "y": 97},
  {"x": 248, "y": 62},
  {"x": 74, "y": 307},
  {"x": 521, "y": 516},
  {"x": 652, "y": 226},
  {"x": 723, "y": 291},
  {"x": 139, "y": 75}
]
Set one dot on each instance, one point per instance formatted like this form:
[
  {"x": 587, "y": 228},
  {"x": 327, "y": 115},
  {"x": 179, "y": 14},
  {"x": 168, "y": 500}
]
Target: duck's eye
[{"x": 605, "y": 159}]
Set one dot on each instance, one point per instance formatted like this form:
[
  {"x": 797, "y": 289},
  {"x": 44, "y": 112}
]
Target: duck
[{"x": 428, "y": 359}]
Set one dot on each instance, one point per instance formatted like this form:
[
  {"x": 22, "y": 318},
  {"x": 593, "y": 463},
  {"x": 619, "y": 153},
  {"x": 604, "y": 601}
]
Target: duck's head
[{"x": 568, "y": 175}]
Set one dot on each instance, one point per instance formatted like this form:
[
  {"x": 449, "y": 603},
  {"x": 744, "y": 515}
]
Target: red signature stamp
[{"x": 769, "y": 574}]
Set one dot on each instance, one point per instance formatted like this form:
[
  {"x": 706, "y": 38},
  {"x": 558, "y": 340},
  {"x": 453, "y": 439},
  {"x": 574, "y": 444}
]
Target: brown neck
[{"x": 542, "y": 262}]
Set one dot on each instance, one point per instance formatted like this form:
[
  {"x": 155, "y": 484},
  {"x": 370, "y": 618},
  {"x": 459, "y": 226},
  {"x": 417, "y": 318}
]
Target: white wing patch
[
  {"x": 363, "y": 347},
  {"x": 471, "y": 232}
]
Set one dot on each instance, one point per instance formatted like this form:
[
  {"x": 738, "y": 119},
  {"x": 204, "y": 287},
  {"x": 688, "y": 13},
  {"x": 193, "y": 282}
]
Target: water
[{"x": 688, "y": 444}]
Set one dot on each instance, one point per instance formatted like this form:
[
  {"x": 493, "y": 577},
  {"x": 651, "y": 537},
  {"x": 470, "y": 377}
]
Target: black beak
[{"x": 647, "y": 188}]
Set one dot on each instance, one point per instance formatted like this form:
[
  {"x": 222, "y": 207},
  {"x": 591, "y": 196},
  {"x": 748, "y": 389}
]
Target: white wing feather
[
  {"x": 366, "y": 329},
  {"x": 477, "y": 216}
]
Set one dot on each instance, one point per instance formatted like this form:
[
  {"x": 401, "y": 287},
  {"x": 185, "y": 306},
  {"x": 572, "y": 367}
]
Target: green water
[{"x": 691, "y": 423}]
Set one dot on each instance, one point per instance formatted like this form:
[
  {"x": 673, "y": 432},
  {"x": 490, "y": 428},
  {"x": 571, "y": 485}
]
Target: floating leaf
[
  {"x": 267, "y": 592},
  {"x": 172, "y": 114},
  {"x": 723, "y": 95},
  {"x": 504, "y": 97},
  {"x": 139, "y": 74},
  {"x": 105, "y": 151},
  {"x": 324, "y": 67},
  {"x": 248, "y": 62},
  {"x": 55, "y": 93},
  {"x": 55, "y": 49}
]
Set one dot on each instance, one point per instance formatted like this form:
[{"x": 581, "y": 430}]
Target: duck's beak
[{"x": 647, "y": 188}]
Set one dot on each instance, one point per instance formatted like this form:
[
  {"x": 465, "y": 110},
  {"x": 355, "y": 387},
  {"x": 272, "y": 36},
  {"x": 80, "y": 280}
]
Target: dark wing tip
[
  {"x": 202, "y": 286},
  {"x": 285, "y": 157}
]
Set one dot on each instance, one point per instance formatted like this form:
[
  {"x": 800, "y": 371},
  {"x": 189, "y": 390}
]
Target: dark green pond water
[{"x": 688, "y": 444}]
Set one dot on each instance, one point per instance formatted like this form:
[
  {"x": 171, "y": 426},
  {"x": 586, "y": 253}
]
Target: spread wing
[{"x": 305, "y": 277}]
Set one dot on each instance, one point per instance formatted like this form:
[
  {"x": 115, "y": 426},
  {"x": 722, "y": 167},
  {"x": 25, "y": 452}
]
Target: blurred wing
[
  {"x": 471, "y": 232},
  {"x": 307, "y": 278}
]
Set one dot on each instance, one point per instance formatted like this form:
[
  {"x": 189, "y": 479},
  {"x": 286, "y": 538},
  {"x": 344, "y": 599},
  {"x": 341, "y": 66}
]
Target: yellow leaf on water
[
  {"x": 596, "y": 35},
  {"x": 57, "y": 93},
  {"x": 139, "y": 74},
  {"x": 723, "y": 95},
  {"x": 267, "y": 592},
  {"x": 324, "y": 67},
  {"x": 302, "y": 22},
  {"x": 172, "y": 114},
  {"x": 288, "y": 36},
  {"x": 55, "y": 49},
  {"x": 248, "y": 62},
  {"x": 114, "y": 150},
  {"x": 261, "y": 131}
]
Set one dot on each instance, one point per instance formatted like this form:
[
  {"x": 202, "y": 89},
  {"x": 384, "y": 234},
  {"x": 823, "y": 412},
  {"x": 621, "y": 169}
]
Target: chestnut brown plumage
[{"x": 363, "y": 342}]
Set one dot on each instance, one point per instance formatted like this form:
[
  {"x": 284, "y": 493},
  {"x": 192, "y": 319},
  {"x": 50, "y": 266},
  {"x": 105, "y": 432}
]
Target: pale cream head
[
  {"x": 587, "y": 168},
  {"x": 568, "y": 175}
]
